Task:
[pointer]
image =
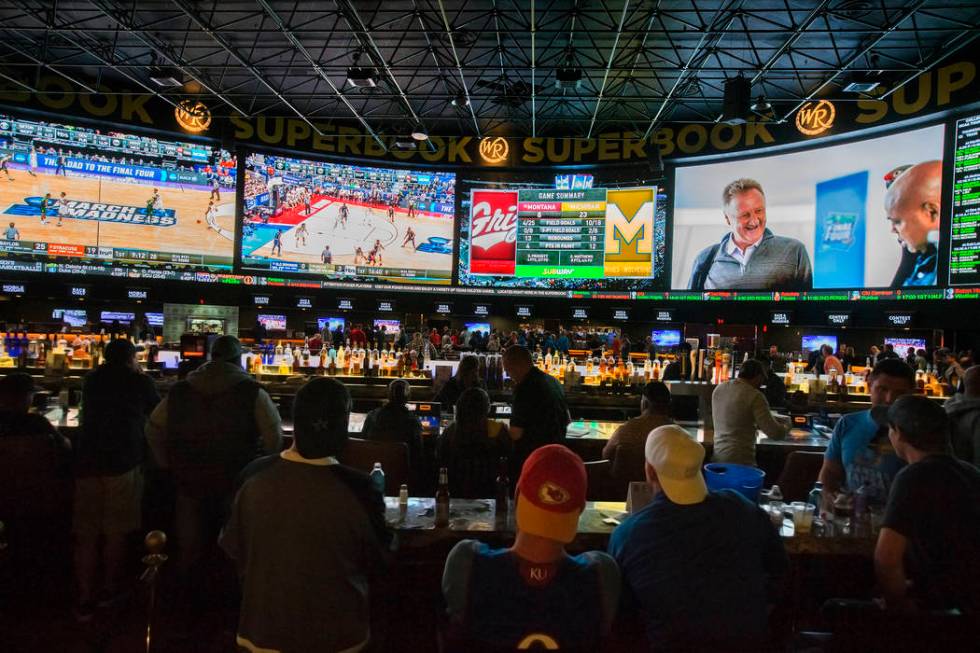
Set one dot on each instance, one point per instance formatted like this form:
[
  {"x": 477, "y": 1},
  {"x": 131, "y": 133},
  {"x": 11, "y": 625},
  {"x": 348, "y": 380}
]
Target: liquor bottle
[
  {"x": 502, "y": 502},
  {"x": 279, "y": 352},
  {"x": 442, "y": 499},
  {"x": 378, "y": 479},
  {"x": 306, "y": 353}
]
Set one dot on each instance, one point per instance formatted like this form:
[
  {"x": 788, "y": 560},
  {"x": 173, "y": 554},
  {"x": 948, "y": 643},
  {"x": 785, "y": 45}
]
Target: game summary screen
[
  {"x": 857, "y": 215},
  {"x": 347, "y": 222},
  {"x": 593, "y": 238},
  {"x": 71, "y": 194}
]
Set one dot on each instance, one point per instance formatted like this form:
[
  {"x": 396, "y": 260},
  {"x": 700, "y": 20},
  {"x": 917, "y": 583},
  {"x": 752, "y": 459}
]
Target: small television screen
[
  {"x": 116, "y": 316},
  {"x": 155, "y": 319},
  {"x": 391, "y": 326},
  {"x": 330, "y": 322},
  {"x": 168, "y": 360},
  {"x": 273, "y": 322},
  {"x": 666, "y": 337},
  {"x": 814, "y": 342},
  {"x": 472, "y": 327},
  {"x": 73, "y": 317},
  {"x": 902, "y": 345}
]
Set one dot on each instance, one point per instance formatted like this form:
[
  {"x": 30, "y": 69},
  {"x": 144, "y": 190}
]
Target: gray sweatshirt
[{"x": 778, "y": 263}]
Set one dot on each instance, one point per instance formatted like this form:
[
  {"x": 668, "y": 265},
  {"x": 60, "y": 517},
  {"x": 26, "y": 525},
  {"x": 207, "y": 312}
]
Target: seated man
[
  {"x": 16, "y": 397},
  {"x": 654, "y": 412},
  {"x": 931, "y": 532},
  {"x": 700, "y": 566},
  {"x": 393, "y": 422},
  {"x": 533, "y": 595},
  {"x": 306, "y": 534},
  {"x": 964, "y": 417},
  {"x": 739, "y": 408},
  {"x": 859, "y": 452}
]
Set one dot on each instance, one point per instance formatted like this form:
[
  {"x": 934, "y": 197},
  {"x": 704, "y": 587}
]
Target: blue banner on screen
[
  {"x": 840, "y": 230},
  {"x": 815, "y": 342},
  {"x": 666, "y": 337}
]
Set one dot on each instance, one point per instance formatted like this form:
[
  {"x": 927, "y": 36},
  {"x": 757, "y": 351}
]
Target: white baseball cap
[{"x": 677, "y": 459}]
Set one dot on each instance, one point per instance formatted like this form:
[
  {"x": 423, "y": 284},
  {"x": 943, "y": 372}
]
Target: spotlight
[
  {"x": 367, "y": 77},
  {"x": 762, "y": 105},
  {"x": 419, "y": 133},
  {"x": 461, "y": 100},
  {"x": 568, "y": 78}
]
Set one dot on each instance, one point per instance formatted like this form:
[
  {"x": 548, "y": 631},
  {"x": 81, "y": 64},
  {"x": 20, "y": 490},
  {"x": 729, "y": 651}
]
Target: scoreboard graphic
[{"x": 585, "y": 234}]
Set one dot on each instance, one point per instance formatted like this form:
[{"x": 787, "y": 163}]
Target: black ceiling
[{"x": 644, "y": 62}]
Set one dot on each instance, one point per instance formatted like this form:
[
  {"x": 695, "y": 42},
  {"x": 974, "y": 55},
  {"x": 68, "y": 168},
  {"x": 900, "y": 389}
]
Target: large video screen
[
  {"x": 74, "y": 194},
  {"x": 347, "y": 222},
  {"x": 858, "y": 215},
  {"x": 592, "y": 238}
]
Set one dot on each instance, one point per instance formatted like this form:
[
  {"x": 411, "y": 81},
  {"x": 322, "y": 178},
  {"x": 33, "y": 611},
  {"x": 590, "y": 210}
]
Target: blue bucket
[{"x": 727, "y": 476}]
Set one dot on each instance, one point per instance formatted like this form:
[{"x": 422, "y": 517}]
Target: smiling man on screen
[{"x": 750, "y": 256}]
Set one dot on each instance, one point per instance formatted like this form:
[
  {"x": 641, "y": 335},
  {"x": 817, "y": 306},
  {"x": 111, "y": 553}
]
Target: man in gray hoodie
[
  {"x": 207, "y": 429},
  {"x": 750, "y": 257},
  {"x": 964, "y": 418}
]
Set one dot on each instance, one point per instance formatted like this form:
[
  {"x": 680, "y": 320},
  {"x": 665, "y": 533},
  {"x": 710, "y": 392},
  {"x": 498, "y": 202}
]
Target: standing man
[
  {"x": 326, "y": 256},
  {"x": 750, "y": 257},
  {"x": 210, "y": 216},
  {"x": 46, "y": 202},
  {"x": 11, "y": 232},
  {"x": 60, "y": 206},
  {"x": 411, "y": 208},
  {"x": 215, "y": 188},
  {"x": 59, "y": 167},
  {"x": 702, "y": 568},
  {"x": 964, "y": 417},
  {"x": 316, "y": 559},
  {"x": 859, "y": 452},
  {"x": 913, "y": 205},
  {"x": 210, "y": 426},
  {"x": 539, "y": 413},
  {"x": 831, "y": 364},
  {"x": 117, "y": 398},
  {"x": 300, "y": 234},
  {"x": 739, "y": 408},
  {"x": 534, "y": 596},
  {"x": 928, "y": 552}
]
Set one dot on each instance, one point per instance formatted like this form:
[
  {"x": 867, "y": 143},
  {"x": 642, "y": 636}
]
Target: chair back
[
  {"x": 29, "y": 481},
  {"x": 393, "y": 456},
  {"x": 628, "y": 463},
  {"x": 800, "y": 472}
]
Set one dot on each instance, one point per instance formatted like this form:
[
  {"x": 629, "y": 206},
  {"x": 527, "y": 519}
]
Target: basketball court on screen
[
  {"x": 363, "y": 227},
  {"x": 190, "y": 234}
]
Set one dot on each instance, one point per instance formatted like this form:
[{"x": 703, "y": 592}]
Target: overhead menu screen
[
  {"x": 964, "y": 248},
  {"x": 73, "y": 196},
  {"x": 336, "y": 221},
  {"x": 591, "y": 238}
]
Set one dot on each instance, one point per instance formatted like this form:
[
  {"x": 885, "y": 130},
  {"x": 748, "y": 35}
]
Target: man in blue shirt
[
  {"x": 700, "y": 566},
  {"x": 533, "y": 596},
  {"x": 859, "y": 452}
]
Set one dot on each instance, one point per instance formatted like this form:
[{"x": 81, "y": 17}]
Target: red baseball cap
[{"x": 551, "y": 493}]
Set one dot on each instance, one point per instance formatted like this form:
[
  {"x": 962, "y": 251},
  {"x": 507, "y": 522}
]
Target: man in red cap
[{"x": 534, "y": 594}]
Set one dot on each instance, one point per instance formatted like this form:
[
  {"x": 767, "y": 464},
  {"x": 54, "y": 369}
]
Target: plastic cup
[
  {"x": 802, "y": 516},
  {"x": 776, "y": 514}
]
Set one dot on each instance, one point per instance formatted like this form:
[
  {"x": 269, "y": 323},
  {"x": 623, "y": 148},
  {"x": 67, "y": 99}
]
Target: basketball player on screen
[
  {"x": 391, "y": 213},
  {"x": 215, "y": 188},
  {"x": 3, "y": 166},
  {"x": 410, "y": 238},
  {"x": 326, "y": 256},
  {"x": 32, "y": 161},
  {"x": 45, "y": 207},
  {"x": 306, "y": 202},
  {"x": 277, "y": 243},
  {"x": 59, "y": 206},
  {"x": 210, "y": 216},
  {"x": 359, "y": 256},
  {"x": 300, "y": 234},
  {"x": 341, "y": 217}
]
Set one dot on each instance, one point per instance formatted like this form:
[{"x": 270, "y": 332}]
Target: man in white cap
[{"x": 699, "y": 566}]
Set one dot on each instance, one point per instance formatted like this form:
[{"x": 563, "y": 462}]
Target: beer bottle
[
  {"x": 502, "y": 502},
  {"x": 442, "y": 499}
]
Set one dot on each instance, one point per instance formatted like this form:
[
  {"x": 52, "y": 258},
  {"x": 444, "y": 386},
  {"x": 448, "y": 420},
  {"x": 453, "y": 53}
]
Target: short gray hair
[{"x": 738, "y": 187}]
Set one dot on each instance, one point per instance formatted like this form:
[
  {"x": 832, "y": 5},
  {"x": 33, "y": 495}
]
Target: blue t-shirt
[
  {"x": 864, "y": 457},
  {"x": 701, "y": 575},
  {"x": 498, "y": 601}
]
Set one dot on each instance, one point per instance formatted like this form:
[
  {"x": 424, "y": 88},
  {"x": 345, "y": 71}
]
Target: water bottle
[
  {"x": 816, "y": 496},
  {"x": 502, "y": 503},
  {"x": 378, "y": 478},
  {"x": 862, "y": 518}
]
